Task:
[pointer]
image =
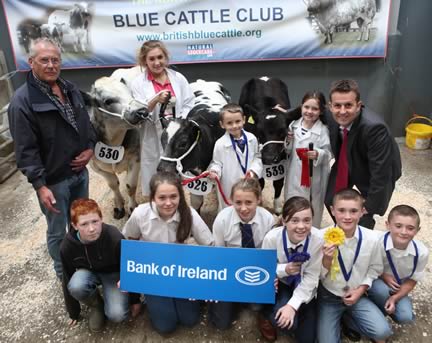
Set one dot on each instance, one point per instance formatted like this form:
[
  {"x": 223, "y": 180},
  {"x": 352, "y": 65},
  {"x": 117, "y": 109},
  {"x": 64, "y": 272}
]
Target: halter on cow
[{"x": 188, "y": 143}]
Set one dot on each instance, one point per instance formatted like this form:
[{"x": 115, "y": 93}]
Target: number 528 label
[
  {"x": 274, "y": 171},
  {"x": 200, "y": 187},
  {"x": 108, "y": 154}
]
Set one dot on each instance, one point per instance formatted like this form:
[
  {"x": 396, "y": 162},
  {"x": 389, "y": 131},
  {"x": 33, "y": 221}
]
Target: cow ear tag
[{"x": 251, "y": 120}]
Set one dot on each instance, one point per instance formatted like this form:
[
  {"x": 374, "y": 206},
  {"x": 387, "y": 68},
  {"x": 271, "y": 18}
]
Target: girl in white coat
[
  {"x": 156, "y": 86},
  {"x": 309, "y": 129}
]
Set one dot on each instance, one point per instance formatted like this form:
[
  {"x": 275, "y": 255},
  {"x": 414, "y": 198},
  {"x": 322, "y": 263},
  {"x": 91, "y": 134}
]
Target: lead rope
[{"x": 203, "y": 175}]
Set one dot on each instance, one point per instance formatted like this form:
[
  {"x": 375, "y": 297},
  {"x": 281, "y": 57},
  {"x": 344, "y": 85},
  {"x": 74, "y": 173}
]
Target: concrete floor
[{"x": 31, "y": 303}]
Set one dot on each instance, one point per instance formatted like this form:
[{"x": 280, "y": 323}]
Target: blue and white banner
[
  {"x": 109, "y": 33},
  {"x": 198, "y": 272}
]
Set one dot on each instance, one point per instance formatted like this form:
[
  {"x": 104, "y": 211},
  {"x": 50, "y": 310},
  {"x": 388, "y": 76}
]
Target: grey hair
[{"x": 45, "y": 40}]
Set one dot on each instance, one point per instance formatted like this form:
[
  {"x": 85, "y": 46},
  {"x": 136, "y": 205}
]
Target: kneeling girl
[
  {"x": 299, "y": 254},
  {"x": 168, "y": 219},
  {"x": 242, "y": 225}
]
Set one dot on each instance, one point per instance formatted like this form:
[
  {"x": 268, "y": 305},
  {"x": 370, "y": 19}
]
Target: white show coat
[
  {"x": 319, "y": 136},
  {"x": 150, "y": 133},
  {"x": 226, "y": 165}
]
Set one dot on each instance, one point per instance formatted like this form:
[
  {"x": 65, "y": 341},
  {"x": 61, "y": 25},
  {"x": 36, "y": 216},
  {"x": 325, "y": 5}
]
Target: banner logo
[
  {"x": 252, "y": 276},
  {"x": 200, "y": 49}
]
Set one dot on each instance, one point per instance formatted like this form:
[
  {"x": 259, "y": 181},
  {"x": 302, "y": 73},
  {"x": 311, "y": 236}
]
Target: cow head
[
  {"x": 179, "y": 141},
  {"x": 112, "y": 100},
  {"x": 316, "y": 6},
  {"x": 271, "y": 129}
]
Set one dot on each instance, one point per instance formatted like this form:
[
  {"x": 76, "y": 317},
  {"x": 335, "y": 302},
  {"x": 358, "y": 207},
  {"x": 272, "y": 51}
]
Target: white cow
[
  {"x": 116, "y": 116},
  {"x": 72, "y": 22},
  {"x": 331, "y": 14}
]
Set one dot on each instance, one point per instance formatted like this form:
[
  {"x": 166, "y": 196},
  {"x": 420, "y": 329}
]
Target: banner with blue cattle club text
[
  {"x": 109, "y": 33},
  {"x": 198, "y": 272}
]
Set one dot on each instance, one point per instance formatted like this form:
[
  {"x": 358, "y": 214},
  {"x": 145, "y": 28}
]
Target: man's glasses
[{"x": 45, "y": 61}]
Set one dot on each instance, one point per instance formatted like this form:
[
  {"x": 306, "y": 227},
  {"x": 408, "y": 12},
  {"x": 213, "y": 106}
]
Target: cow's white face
[{"x": 114, "y": 96}]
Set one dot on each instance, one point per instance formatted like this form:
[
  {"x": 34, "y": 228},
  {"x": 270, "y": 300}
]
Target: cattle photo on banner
[
  {"x": 108, "y": 33},
  {"x": 198, "y": 272}
]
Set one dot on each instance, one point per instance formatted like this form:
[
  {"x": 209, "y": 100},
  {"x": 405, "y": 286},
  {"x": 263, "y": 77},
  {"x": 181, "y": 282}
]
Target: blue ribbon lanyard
[
  {"x": 244, "y": 168},
  {"x": 285, "y": 244},
  {"x": 393, "y": 267},
  {"x": 346, "y": 275}
]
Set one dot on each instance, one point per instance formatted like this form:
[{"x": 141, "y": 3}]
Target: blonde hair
[
  {"x": 249, "y": 184},
  {"x": 147, "y": 47}
]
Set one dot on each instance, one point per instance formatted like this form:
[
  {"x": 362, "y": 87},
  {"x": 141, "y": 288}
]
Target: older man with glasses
[{"x": 54, "y": 140}]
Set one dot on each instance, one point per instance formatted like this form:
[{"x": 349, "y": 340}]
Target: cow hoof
[{"x": 119, "y": 213}]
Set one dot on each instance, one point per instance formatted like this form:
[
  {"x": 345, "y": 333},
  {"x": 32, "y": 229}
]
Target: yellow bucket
[{"x": 418, "y": 135}]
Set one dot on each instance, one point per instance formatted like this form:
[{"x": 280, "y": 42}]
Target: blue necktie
[
  {"x": 241, "y": 144},
  {"x": 247, "y": 236}
]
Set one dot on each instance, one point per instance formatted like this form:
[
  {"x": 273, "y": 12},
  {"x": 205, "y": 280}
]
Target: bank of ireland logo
[{"x": 252, "y": 276}]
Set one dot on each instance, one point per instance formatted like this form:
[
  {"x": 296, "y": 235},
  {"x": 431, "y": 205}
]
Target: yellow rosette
[{"x": 334, "y": 235}]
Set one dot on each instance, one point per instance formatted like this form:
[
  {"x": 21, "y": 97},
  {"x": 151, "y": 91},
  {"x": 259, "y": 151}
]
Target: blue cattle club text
[{"x": 223, "y": 15}]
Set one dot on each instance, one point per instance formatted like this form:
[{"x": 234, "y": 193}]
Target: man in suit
[{"x": 367, "y": 156}]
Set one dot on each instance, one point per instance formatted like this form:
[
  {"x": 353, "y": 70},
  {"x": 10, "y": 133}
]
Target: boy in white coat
[
  {"x": 156, "y": 86},
  {"x": 309, "y": 129},
  {"x": 236, "y": 154}
]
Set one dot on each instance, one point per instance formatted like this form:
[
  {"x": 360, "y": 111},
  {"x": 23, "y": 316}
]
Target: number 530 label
[
  {"x": 109, "y": 154},
  {"x": 274, "y": 171},
  {"x": 200, "y": 187}
]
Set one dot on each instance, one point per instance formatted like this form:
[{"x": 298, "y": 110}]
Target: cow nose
[{"x": 143, "y": 113}]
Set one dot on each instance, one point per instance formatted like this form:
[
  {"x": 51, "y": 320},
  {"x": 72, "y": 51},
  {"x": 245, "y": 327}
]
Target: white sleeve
[
  {"x": 188, "y": 97},
  {"x": 132, "y": 230},
  {"x": 256, "y": 162},
  {"x": 218, "y": 231},
  {"x": 216, "y": 164},
  {"x": 376, "y": 266},
  {"x": 200, "y": 230},
  {"x": 309, "y": 281},
  {"x": 421, "y": 264},
  {"x": 323, "y": 148}
]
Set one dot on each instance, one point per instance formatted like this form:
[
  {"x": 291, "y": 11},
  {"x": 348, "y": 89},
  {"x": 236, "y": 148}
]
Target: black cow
[
  {"x": 261, "y": 99},
  {"x": 27, "y": 31},
  {"x": 200, "y": 128}
]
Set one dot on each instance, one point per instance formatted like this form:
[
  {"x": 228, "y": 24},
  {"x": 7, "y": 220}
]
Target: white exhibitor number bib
[
  {"x": 109, "y": 154},
  {"x": 274, "y": 171},
  {"x": 200, "y": 187}
]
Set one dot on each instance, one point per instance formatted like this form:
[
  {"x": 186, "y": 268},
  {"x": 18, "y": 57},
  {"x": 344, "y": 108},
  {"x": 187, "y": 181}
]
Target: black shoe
[{"x": 352, "y": 335}]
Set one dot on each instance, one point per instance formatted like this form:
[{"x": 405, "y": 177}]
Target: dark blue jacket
[{"x": 45, "y": 142}]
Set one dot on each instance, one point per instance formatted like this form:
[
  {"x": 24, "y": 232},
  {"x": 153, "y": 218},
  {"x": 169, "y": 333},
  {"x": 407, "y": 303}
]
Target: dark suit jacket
[{"x": 373, "y": 158}]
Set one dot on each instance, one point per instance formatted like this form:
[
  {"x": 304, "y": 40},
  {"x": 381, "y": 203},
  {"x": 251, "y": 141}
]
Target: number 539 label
[
  {"x": 274, "y": 171},
  {"x": 200, "y": 187},
  {"x": 109, "y": 154}
]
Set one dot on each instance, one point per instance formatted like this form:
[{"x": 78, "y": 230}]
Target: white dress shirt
[
  {"x": 310, "y": 270},
  {"x": 146, "y": 225},
  {"x": 366, "y": 269},
  {"x": 226, "y": 165},
  {"x": 403, "y": 260},
  {"x": 226, "y": 227}
]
